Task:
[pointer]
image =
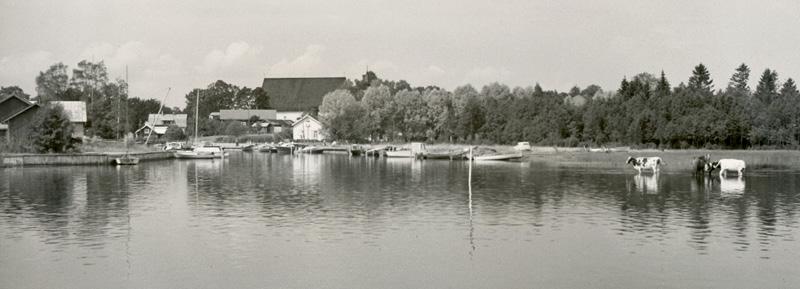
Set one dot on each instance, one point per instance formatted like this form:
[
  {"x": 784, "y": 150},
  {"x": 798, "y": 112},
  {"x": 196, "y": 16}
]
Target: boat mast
[
  {"x": 160, "y": 108},
  {"x": 196, "y": 114},
  {"x": 125, "y": 129}
]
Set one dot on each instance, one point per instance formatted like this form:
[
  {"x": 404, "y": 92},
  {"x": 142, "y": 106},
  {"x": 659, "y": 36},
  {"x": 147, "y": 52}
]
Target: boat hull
[
  {"x": 498, "y": 157},
  {"x": 198, "y": 155},
  {"x": 399, "y": 154},
  {"x": 125, "y": 161},
  {"x": 444, "y": 156}
]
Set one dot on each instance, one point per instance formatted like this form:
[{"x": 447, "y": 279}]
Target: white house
[{"x": 307, "y": 128}]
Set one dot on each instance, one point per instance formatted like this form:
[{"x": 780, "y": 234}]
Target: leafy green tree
[
  {"x": 462, "y": 95},
  {"x": 441, "y": 114},
  {"x": 410, "y": 115},
  {"x": 497, "y": 91},
  {"x": 471, "y": 118},
  {"x": 174, "y": 133},
  {"x": 52, "y": 83},
  {"x": 334, "y": 104},
  {"x": 377, "y": 102},
  {"x": 12, "y": 90},
  {"x": 351, "y": 125},
  {"x": 575, "y": 91},
  {"x": 591, "y": 90},
  {"x": 261, "y": 98},
  {"x": 51, "y": 130},
  {"x": 235, "y": 128}
]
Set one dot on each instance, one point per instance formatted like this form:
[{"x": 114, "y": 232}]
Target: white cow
[
  {"x": 725, "y": 165},
  {"x": 640, "y": 163}
]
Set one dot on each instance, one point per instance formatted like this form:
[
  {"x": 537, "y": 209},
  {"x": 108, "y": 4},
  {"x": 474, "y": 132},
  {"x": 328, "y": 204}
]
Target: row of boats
[{"x": 414, "y": 150}]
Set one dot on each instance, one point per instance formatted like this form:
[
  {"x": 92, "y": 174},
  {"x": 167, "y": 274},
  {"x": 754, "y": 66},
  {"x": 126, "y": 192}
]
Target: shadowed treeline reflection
[{"x": 332, "y": 215}]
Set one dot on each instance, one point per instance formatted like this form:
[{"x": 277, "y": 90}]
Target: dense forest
[{"x": 645, "y": 111}]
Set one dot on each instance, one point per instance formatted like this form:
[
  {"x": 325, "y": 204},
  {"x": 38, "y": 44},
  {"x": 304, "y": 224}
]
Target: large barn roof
[{"x": 300, "y": 93}]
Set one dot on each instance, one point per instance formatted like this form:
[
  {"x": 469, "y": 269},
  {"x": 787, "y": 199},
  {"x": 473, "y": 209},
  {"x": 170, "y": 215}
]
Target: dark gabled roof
[
  {"x": 15, "y": 95},
  {"x": 19, "y": 112},
  {"x": 300, "y": 93}
]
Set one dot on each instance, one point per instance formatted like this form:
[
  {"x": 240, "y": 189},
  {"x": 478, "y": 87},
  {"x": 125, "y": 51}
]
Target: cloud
[
  {"x": 235, "y": 54},
  {"x": 480, "y": 76},
  {"x": 307, "y": 64},
  {"x": 151, "y": 70},
  {"x": 116, "y": 57}
]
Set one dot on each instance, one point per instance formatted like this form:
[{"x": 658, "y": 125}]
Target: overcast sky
[{"x": 186, "y": 44}]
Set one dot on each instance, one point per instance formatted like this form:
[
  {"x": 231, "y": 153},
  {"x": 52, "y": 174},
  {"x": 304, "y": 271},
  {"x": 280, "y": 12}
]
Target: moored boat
[
  {"x": 400, "y": 153},
  {"x": 312, "y": 150},
  {"x": 285, "y": 148},
  {"x": 356, "y": 150},
  {"x": 206, "y": 152},
  {"x": 417, "y": 150},
  {"x": 125, "y": 160},
  {"x": 498, "y": 157}
]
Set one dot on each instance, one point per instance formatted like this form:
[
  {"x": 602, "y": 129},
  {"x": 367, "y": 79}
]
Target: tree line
[{"x": 644, "y": 111}]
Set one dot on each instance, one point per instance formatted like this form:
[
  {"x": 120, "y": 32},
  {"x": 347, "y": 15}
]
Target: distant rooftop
[
  {"x": 246, "y": 114},
  {"x": 299, "y": 93}
]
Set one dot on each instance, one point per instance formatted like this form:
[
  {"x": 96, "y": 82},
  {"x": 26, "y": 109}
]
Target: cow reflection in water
[
  {"x": 647, "y": 184},
  {"x": 725, "y": 186},
  {"x": 731, "y": 185}
]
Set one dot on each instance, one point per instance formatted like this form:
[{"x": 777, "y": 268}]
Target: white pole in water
[
  {"x": 469, "y": 182},
  {"x": 469, "y": 187}
]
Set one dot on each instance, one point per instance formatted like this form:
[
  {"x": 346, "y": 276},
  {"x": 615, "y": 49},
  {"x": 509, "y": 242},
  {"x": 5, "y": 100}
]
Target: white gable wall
[{"x": 307, "y": 129}]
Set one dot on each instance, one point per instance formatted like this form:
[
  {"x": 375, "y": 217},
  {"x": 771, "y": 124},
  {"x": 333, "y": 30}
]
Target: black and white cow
[
  {"x": 725, "y": 165},
  {"x": 699, "y": 164},
  {"x": 640, "y": 163}
]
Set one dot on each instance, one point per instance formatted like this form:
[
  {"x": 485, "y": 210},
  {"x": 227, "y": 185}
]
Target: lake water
[{"x": 331, "y": 221}]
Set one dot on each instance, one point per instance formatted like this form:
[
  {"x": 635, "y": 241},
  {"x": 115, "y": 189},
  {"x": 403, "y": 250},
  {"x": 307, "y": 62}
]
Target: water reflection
[
  {"x": 647, "y": 184},
  {"x": 733, "y": 186},
  {"x": 312, "y": 213}
]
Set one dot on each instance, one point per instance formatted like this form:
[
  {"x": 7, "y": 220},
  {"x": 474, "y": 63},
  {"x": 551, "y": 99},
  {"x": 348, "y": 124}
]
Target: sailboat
[
  {"x": 126, "y": 159},
  {"x": 200, "y": 152}
]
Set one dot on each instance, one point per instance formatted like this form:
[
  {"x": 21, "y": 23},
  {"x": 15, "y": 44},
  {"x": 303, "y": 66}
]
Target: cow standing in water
[
  {"x": 725, "y": 165},
  {"x": 700, "y": 165},
  {"x": 640, "y": 163}
]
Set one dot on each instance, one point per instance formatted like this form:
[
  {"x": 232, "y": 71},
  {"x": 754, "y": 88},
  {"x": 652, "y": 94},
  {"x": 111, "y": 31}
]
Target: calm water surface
[{"x": 331, "y": 221}]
